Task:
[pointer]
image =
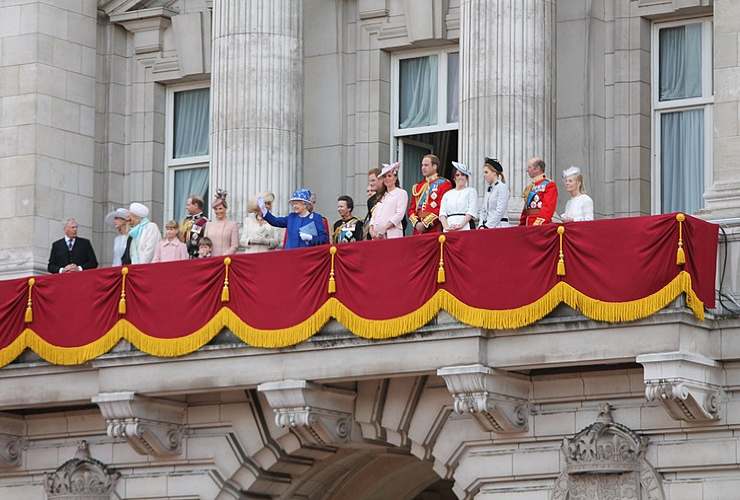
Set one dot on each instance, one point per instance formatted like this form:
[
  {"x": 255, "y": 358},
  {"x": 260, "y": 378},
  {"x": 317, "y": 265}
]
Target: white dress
[
  {"x": 495, "y": 206},
  {"x": 580, "y": 208},
  {"x": 457, "y": 203},
  {"x": 143, "y": 248},
  {"x": 119, "y": 246},
  {"x": 260, "y": 236}
]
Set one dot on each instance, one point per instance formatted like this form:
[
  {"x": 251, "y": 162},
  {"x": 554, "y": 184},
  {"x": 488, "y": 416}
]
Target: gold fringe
[
  {"x": 28, "y": 317},
  {"x": 441, "y": 278},
  {"x": 561, "y": 262},
  {"x": 332, "y": 283},
  {"x": 680, "y": 253},
  {"x": 225, "y": 296},
  {"x": 122, "y": 301}
]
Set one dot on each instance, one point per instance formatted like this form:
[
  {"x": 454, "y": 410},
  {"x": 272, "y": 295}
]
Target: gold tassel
[
  {"x": 680, "y": 254},
  {"x": 29, "y": 310},
  {"x": 332, "y": 283},
  {"x": 561, "y": 262},
  {"x": 122, "y": 301},
  {"x": 225, "y": 296},
  {"x": 441, "y": 278}
]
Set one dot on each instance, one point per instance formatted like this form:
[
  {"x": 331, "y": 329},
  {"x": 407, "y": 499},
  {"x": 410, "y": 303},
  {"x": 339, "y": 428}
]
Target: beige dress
[
  {"x": 259, "y": 236},
  {"x": 225, "y": 236}
]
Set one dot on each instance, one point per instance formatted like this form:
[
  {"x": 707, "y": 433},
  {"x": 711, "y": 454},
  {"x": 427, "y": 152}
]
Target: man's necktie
[
  {"x": 489, "y": 188},
  {"x": 70, "y": 244}
]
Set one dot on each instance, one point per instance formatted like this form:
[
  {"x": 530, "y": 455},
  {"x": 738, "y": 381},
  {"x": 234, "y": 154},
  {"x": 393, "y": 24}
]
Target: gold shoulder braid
[{"x": 527, "y": 190}]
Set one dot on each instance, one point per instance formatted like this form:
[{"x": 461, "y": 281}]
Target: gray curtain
[
  {"x": 680, "y": 62},
  {"x": 453, "y": 87},
  {"x": 189, "y": 181},
  {"x": 191, "y": 123},
  {"x": 411, "y": 165},
  {"x": 418, "y": 92},
  {"x": 682, "y": 160}
]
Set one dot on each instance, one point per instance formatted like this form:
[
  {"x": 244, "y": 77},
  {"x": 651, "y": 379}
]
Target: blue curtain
[
  {"x": 190, "y": 181},
  {"x": 453, "y": 87},
  {"x": 680, "y": 62},
  {"x": 682, "y": 161},
  {"x": 191, "y": 123},
  {"x": 418, "y": 92}
]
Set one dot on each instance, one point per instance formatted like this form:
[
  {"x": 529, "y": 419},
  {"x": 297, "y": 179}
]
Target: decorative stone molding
[
  {"x": 687, "y": 385},
  {"x": 497, "y": 399},
  {"x": 81, "y": 478},
  {"x": 369, "y": 9},
  {"x": 151, "y": 426},
  {"x": 319, "y": 415},
  {"x": 12, "y": 430},
  {"x": 147, "y": 25},
  {"x": 607, "y": 460}
]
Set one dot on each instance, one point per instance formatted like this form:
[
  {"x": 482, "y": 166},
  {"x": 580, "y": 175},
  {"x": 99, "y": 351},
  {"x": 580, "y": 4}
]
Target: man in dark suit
[{"x": 71, "y": 253}]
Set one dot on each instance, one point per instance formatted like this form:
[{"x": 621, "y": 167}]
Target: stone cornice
[{"x": 147, "y": 25}]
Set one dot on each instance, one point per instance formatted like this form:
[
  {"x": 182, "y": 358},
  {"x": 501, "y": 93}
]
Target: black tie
[
  {"x": 70, "y": 244},
  {"x": 489, "y": 188}
]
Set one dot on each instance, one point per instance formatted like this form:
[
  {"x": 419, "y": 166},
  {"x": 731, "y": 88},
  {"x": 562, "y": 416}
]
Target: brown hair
[
  {"x": 374, "y": 171},
  {"x": 500, "y": 174},
  {"x": 539, "y": 163},
  {"x": 434, "y": 159},
  {"x": 205, "y": 242},
  {"x": 196, "y": 200}
]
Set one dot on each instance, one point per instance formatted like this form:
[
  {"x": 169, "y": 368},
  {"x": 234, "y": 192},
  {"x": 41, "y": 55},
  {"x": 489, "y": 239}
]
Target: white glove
[
  {"x": 261, "y": 205},
  {"x": 305, "y": 237}
]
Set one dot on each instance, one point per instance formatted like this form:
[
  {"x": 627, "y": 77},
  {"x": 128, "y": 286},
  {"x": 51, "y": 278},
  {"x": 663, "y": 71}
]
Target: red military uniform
[
  {"x": 540, "y": 200},
  {"x": 426, "y": 198}
]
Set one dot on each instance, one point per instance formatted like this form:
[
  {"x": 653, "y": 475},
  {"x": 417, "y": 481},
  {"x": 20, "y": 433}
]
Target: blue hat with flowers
[{"x": 302, "y": 194}]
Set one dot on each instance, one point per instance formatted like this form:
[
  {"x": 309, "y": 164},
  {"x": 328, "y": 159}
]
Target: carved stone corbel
[
  {"x": 151, "y": 426},
  {"x": 319, "y": 415},
  {"x": 147, "y": 25},
  {"x": 497, "y": 399},
  {"x": 12, "y": 430},
  {"x": 81, "y": 478},
  {"x": 687, "y": 385}
]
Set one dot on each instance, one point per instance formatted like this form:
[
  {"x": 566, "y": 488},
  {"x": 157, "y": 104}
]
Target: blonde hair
[
  {"x": 173, "y": 225},
  {"x": 581, "y": 186}
]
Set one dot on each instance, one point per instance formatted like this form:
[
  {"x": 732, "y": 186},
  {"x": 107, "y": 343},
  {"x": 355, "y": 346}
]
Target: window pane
[
  {"x": 453, "y": 87},
  {"x": 418, "y": 92},
  {"x": 191, "y": 123},
  {"x": 191, "y": 181},
  {"x": 680, "y": 62},
  {"x": 682, "y": 161}
]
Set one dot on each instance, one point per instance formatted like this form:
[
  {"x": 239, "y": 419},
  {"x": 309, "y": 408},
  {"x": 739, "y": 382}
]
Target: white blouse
[
  {"x": 495, "y": 206},
  {"x": 119, "y": 247},
  {"x": 580, "y": 208},
  {"x": 457, "y": 203}
]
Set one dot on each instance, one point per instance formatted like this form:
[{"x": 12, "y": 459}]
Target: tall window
[
  {"x": 425, "y": 88},
  {"x": 682, "y": 114},
  {"x": 188, "y": 120}
]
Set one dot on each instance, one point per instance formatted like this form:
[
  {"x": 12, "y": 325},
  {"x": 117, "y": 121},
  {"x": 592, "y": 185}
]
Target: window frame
[
  {"x": 173, "y": 165},
  {"x": 659, "y": 108}
]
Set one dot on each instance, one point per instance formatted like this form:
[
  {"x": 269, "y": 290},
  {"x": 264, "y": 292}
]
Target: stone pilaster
[
  {"x": 256, "y": 98},
  {"x": 507, "y": 86}
]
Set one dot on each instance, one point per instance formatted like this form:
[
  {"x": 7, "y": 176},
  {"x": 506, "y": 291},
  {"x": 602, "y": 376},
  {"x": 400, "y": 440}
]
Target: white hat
[
  {"x": 460, "y": 167},
  {"x": 571, "y": 171},
  {"x": 138, "y": 209},
  {"x": 118, "y": 213},
  {"x": 387, "y": 167}
]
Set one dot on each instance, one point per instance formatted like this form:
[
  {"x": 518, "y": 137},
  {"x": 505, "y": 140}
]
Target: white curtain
[
  {"x": 418, "y": 92},
  {"x": 682, "y": 161},
  {"x": 680, "y": 62},
  {"x": 190, "y": 181},
  {"x": 191, "y": 123},
  {"x": 453, "y": 87}
]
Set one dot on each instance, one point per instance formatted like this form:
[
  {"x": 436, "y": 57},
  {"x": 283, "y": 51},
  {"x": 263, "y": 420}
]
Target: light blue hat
[
  {"x": 462, "y": 168},
  {"x": 302, "y": 194}
]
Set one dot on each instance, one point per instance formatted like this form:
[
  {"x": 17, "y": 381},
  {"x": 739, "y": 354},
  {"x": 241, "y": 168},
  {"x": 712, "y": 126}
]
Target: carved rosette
[
  {"x": 496, "y": 399},
  {"x": 12, "y": 428},
  {"x": 81, "y": 478}
]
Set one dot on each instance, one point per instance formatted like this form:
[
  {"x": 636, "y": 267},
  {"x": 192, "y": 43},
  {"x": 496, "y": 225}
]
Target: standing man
[
  {"x": 71, "y": 253},
  {"x": 193, "y": 225},
  {"x": 348, "y": 228},
  {"x": 426, "y": 197},
  {"x": 540, "y": 196},
  {"x": 373, "y": 185}
]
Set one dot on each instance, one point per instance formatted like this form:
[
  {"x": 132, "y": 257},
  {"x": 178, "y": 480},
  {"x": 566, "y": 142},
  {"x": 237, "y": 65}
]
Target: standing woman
[
  {"x": 390, "y": 209},
  {"x": 223, "y": 233},
  {"x": 119, "y": 219},
  {"x": 580, "y": 206},
  {"x": 459, "y": 205},
  {"x": 496, "y": 200},
  {"x": 257, "y": 235}
]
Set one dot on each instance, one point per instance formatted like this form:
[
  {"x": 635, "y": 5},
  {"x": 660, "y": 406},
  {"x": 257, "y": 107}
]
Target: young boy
[
  {"x": 205, "y": 247},
  {"x": 170, "y": 248}
]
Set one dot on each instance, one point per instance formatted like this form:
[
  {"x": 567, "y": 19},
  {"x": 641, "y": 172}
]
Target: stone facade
[{"x": 84, "y": 89}]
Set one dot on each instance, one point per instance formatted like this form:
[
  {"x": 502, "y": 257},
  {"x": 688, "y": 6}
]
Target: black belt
[{"x": 503, "y": 219}]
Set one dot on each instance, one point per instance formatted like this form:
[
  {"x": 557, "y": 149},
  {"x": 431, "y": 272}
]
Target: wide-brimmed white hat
[
  {"x": 118, "y": 213},
  {"x": 571, "y": 171},
  {"x": 138, "y": 209},
  {"x": 387, "y": 167},
  {"x": 462, "y": 168}
]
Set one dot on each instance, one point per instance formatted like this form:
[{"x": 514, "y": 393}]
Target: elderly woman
[
  {"x": 257, "y": 235},
  {"x": 496, "y": 199},
  {"x": 459, "y": 205},
  {"x": 119, "y": 220},
  {"x": 580, "y": 206},
  {"x": 386, "y": 221},
  {"x": 304, "y": 228},
  {"x": 144, "y": 234},
  {"x": 223, "y": 233}
]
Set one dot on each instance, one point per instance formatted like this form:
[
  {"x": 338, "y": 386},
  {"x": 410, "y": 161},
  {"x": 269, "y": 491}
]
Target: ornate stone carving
[
  {"x": 151, "y": 426},
  {"x": 606, "y": 461},
  {"x": 81, "y": 478},
  {"x": 318, "y": 415},
  {"x": 12, "y": 428},
  {"x": 687, "y": 385},
  {"x": 497, "y": 399}
]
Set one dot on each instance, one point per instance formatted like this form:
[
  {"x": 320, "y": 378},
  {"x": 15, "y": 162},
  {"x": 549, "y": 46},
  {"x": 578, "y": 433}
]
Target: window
[
  {"x": 187, "y": 142},
  {"x": 682, "y": 114},
  {"x": 425, "y": 86}
]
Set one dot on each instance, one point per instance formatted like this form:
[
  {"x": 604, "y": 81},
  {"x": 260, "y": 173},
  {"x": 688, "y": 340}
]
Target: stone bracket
[
  {"x": 147, "y": 25},
  {"x": 12, "y": 430},
  {"x": 498, "y": 400},
  {"x": 687, "y": 385},
  {"x": 319, "y": 415},
  {"x": 151, "y": 426}
]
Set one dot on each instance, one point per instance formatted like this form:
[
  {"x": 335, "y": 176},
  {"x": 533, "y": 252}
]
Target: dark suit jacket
[{"x": 82, "y": 254}]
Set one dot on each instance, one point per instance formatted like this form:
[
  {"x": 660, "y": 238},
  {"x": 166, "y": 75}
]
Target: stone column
[
  {"x": 507, "y": 87},
  {"x": 256, "y": 99}
]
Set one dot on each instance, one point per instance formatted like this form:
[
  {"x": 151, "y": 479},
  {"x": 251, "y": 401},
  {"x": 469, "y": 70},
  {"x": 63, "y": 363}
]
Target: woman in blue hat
[{"x": 303, "y": 227}]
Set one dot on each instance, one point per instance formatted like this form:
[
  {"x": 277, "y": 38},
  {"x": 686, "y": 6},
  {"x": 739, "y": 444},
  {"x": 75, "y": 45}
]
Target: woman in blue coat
[{"x": 303, "y": 227}]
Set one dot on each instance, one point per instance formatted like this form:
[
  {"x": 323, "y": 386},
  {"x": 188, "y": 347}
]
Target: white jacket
[{"x": 142, "y": 249}]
